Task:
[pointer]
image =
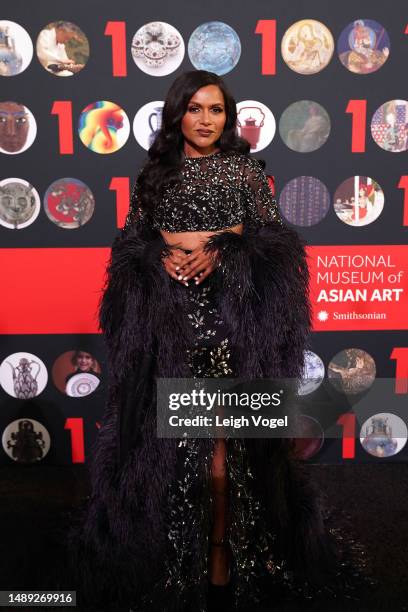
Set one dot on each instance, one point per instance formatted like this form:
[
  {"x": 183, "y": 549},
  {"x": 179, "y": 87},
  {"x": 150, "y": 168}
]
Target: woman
[{"x": 204, "y": 280}]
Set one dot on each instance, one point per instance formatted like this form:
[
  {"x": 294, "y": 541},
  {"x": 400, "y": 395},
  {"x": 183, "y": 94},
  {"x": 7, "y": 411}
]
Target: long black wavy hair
[{"x": 166, "y": 154}]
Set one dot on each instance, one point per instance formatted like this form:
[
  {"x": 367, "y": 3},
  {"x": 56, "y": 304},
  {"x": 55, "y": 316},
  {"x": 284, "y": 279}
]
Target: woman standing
[{"x": 204, "y": 280}]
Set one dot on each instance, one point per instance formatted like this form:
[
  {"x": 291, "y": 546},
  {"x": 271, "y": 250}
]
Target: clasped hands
[{"x": 196, "y": 265}]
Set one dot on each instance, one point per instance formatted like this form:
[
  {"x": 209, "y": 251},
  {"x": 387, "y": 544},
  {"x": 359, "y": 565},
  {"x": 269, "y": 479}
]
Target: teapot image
[
  {"x": 248, "y": 128},
  {"x": 24, "y": 383},
  {"x": 155, "y": 117}
]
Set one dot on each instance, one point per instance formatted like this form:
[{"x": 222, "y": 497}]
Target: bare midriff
[{"x": 191, "y": 240}]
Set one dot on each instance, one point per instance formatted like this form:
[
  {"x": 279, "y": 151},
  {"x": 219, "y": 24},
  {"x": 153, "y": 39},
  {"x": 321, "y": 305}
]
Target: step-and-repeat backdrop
[{"x": 320, "y": 96}]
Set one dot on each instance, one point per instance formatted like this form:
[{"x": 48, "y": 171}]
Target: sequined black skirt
[
  {"x": 210, "y": 356},
  {"x": 256, "y": 568}
]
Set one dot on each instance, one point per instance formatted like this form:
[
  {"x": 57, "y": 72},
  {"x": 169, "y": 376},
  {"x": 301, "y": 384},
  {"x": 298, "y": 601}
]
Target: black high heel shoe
[{"x": 219, "y": 596}]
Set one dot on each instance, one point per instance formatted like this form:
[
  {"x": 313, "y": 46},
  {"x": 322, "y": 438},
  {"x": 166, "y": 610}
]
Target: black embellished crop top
[{"x": 217, "y": 191}]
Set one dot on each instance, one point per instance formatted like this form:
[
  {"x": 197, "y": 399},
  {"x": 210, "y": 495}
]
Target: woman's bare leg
[{"x": 219, "y": 571}]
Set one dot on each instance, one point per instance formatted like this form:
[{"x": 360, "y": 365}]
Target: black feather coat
[{"x": 120, "y": 544}]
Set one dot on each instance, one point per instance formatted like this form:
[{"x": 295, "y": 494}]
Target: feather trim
[{"x": 263, "y": 289}]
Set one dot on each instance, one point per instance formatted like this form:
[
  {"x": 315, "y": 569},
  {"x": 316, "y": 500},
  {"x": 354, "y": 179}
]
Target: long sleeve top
[{"x": 217, "y": 191}]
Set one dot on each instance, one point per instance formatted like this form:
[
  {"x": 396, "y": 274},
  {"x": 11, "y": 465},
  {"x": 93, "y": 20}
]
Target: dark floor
[{"x": 35, "y": 502}]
